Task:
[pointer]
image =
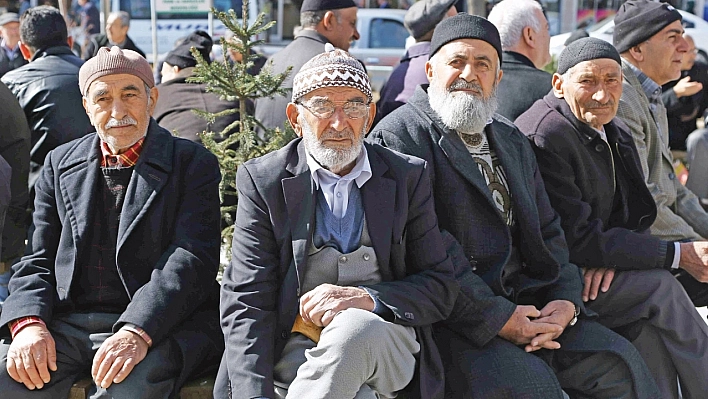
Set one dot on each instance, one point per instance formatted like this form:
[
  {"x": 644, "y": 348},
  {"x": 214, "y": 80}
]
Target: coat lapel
[
  {"x": 378, "y": 197},
  {"x": 149, "y": 177},
  {"x": 298, "y": 192}
]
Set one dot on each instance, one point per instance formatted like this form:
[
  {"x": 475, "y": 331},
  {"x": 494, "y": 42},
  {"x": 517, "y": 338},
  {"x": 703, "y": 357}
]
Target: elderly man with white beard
[
  {"x": 338, "y": 268},
  {"x": 519, "y": 327}
]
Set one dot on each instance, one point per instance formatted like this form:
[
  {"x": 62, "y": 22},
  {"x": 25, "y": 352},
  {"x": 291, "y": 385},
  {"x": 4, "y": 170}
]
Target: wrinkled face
[
  {"x": 663, "y": 54},
  {"x": 333, "y": 141},
  {"x": 119, "y": 108},
  {"x": 11, "y": 33},
  {"x": 592, "y": 89},
  {"x": 475, "y": 61},
  {"x": 115, "y": 30},
  {"x": 689, "y": 57},
  {"x": 345, "y": 31}
]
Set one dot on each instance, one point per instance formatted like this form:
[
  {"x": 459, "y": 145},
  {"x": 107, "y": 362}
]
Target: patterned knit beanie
[
  {"x": 112, "y": 62},
  {"x": 333, "y": 68}
]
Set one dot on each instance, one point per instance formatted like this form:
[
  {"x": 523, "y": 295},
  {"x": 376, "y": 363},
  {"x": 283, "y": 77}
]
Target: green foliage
[
  {"x": 231, "y": 81},
  {"x": 552, "y": 66}
]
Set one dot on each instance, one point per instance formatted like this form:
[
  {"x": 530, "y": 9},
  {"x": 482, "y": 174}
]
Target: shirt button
[
  {"x": 366, "y": 256},
  {"x": 339, "y": 195},
  {"x": 343, "y": 259},
  {"x": 599, "y": 148},
  {"x": 284, "y": 334},
  {"x": 672, "y": 176}
]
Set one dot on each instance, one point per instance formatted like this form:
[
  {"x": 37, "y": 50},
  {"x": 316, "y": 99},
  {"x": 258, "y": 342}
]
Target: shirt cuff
[
  {"x": 380, "y": 309},
  {"x": 137, "y": 330},
  {"x": 677, "y": 256},
  {"x": 19, "y": 324}
]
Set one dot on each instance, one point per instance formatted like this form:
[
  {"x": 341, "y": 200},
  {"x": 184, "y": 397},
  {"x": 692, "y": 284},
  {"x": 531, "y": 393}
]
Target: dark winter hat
[
  {"x": 322, "y": 5},
  {"x": 9, "y": 17},
  {"x": 586, "y": 49},
  {"x": 333, "y": 68},
  {"x": 182, "y": 57},
  {"x": 112, "y": 62},
  {"x": 638, "y": 20},
  {"x": 422, "y": 16},
  {"x": 465, "y": 26},
  {"x": 576, "y": 35}
]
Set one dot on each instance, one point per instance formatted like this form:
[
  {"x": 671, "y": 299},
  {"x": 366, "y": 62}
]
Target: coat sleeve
[
  {"x": 591, "y": 243},
  {"x": 697, "y": 144},
  {"x": 478, "y": 313},
  {"x": 426, "y": 295},
  {"x": 249, "y": 293}
]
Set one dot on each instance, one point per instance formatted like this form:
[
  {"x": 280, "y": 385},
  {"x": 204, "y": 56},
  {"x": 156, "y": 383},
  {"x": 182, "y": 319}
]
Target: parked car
[
  {"x": 381, "y": 44},
  {"x": 694, "y": 25}
]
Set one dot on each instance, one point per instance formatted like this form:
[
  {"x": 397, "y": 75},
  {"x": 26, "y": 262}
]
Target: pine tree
[{"x": 231, "y": 80}]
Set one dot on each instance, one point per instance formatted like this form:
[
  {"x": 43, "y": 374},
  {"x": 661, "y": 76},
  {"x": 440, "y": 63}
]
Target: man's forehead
[
  {"x": 10, "y": 25},
  {"x": 336, "y": 93},
  {"x": 674, "y": 27},
  {"x": 120, "y": 81},
  {"x": 474, "y": 46},
  {"x": 599, "y": 66}
]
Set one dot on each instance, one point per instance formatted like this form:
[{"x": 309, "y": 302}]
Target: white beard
[
  {"x": 333, "y": 159},
  {"x": 461, "y": 111}
]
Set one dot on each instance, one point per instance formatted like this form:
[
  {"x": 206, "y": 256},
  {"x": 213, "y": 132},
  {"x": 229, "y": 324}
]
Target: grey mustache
[{"x": 123, "y": 122}]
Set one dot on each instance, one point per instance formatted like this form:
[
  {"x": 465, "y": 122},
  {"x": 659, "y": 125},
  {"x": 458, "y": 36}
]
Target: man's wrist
[
  {"x": 139, "y": 331},
  {"x": 18, "y": 324}
]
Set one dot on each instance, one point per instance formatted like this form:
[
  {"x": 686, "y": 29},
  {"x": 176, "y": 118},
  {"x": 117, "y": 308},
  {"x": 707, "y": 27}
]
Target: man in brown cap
[
  {"x": 338, "y": 268},
  {"x": 120, "y": 276},
  {"x": 322, "y": 21}
]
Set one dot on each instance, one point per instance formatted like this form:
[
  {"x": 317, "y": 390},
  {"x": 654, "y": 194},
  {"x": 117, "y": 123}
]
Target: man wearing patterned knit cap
[
  {"x": 322, "y": 21},
  {"x": 519, "y": 327},
  {"x": 338, "y": 268},
  {"x": 120, "y": 277}
]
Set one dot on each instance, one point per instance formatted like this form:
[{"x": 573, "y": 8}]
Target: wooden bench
[{"x": 200, "y": 388}]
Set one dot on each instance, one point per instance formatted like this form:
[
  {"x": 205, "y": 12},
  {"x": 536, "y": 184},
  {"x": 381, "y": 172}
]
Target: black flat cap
[
  {"x": 323, "y": 5},
  {"x": 465, "y": 26}
]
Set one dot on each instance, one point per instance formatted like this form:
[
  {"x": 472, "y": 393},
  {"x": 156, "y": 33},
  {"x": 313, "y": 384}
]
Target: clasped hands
[
  {"x": 32, "y": 355},
  {"x": 320, "y": 305},
  {"x": 536, "y": 328}
]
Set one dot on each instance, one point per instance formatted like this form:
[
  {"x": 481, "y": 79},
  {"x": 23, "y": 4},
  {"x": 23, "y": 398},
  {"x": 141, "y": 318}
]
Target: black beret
[
  {"x": 323, "y": 5},
  {"x": 586, "y": 49},
  {"x": 638, "y": 20},
  {"x": 422, "y": 16},
  {"x": 182, "y": 57},
  {"x": 465, "y": 26}
]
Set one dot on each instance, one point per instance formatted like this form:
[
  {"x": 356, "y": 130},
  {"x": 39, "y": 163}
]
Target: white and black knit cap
[
  {"x": 638, "y": 20},
  {"x": 586, "y": 49},
  {"x": 333, "y": 68}
]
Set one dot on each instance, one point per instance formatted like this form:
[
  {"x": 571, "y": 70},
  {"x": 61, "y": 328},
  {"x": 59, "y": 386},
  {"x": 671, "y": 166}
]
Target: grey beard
[
  {"x": 332, "y": 159},
  {"x": 461, "y": 111}
]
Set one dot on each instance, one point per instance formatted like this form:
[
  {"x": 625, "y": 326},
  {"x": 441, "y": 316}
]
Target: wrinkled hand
[
  {"x": 521, "y": 330},
  {"x": 116, "y": 358},
  {"x": 596, "y": 280},
  {"x": 31, "y": 355},
  {"x": 320, "y": 305},
  {"x": 685, "y": 87},
  {"x": 694, "y": 259},
  {"x": 557, "y": 312}
]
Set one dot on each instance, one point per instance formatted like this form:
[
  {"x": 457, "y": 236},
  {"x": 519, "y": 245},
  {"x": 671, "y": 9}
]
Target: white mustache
[
  {"x": 460, "y": 83},
  {"x": 126, "y": 121}
]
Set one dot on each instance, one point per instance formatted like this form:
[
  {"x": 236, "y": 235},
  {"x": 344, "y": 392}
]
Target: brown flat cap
[{"x": 112, "y": 62}]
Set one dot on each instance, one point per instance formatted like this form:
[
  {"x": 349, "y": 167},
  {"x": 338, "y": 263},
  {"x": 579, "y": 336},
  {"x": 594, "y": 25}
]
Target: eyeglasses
[{"x": 324, "y": 109}]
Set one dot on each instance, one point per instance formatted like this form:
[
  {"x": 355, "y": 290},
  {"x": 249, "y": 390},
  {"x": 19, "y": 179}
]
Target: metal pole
[
  {"x": 210, "y": 19},
  {"x": 153, "y": 25}
]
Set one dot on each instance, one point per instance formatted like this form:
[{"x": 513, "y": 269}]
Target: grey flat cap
[
  {"x": 422, "y": 16},
  {"x": 9, "y": 17}
]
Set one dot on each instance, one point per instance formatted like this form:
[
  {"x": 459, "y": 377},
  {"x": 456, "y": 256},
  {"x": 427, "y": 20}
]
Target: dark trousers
[
  {"x": 501, "y": 370},
  {"x": 78, "y": 337}
]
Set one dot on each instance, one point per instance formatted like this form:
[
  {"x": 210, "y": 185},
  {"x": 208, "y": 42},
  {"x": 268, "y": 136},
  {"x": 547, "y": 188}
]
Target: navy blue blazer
[
  {"x": 168, "y": 241},
  {"x": 261, "y": 286}
]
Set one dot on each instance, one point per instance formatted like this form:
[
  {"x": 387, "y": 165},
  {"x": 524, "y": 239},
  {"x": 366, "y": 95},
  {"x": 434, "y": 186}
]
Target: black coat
[
  {"x": 683, "y": 112},
  {"x": 48, "y": 91},
  {"x": 521, "y": 85},
  {"x": 5, "y": 176},
  {"x": 177, "y": 99},
  {"x": 604, "y": 227},
  {"x": 167, "y": 245},
  {"x": 7, "y": 64},
  {"x": 101, "y": 40},
  {"x": 261, "y": 286},
  {"x": 15, "y": 148}
]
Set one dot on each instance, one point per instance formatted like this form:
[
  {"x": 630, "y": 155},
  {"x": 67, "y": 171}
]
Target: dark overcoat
[
  {"x": 582, "y": 173},
  {"x": 167, "y": 249},
  {"x": 521, "y": 85},
  {"x": 466, "y": 209},
  {"x": 261, "y": 286}
]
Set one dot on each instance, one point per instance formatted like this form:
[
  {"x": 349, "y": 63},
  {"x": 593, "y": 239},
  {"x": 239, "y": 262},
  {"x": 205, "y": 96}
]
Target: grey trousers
[
  {"x": 664, "y": 326},
  {"x": 78, "y": 337},
  {"x": 359, "y": 355}
]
